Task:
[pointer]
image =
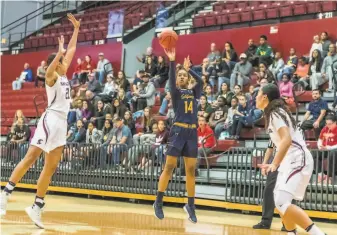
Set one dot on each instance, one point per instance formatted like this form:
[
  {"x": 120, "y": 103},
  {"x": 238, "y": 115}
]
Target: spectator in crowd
[
  {"x": 251, "y": 51},
  {"x": 328, "y": 61},
  {"x": 317, "y": 108},
  {"x": 122, "y": 98},
  {"x": 18, "y": 114},
  {"x": 109, "y": 91},
  {"x": 221, "y": 72},
  {"x": 301, "y": 70},
  {"x": 316, "y": 45},
  {"x": 226, "y": 93},
  {"x": 130, "y": 122},
  {"x": 325, "y": 44},
  {"x": 93, "y": 85},
  {"x": 231, "y": 111},
  {"x": 229, "y": 55},
  {"x": 264, "y": 72},
  {"x": 241, "y": 72},
  {"x": 146, "y": 96},
  {"x": 205, "y": 82},
  {"x": 218, "y": 117},
  {"x": 77, "y": 70},
  {"x": 207, "y": 69},
  {"x": 277, "y": 64},
  {"x": 327, "y": 141},
  {"x": 21, "y": 132},
  {"x": 87, "y": 67},
  {"x": 314, "y": 76},
  {"x": 204, "y": 108},
  {"x": 123, "y": 82},
  {"x": 214, "y": 54},
  {"x": 146, "y": 124},
  {"x": 238, "y": 91},
  {"x": 100, "y": 112},
  {"x": 162, "y": 72},
  {"x": 149, "y": 53},
  {"x": 86, "y": 112},
  {"x": 25, "y": 76},
  {"x": 138, "y": 80},
  {"x": 150, "y": 67},
  {"x": 118, "y": 108},
  {"x": 264, "y": 52},
  {"x": 122, "y": 137},
  {"x": 103, "y": 68},
  {"x": 41, "y": 74},
  {"x": 77, "y": 133},
  {"x": 291, "y": 65},
  {"x": 286, "y": 89},
  {"x": 164, "y": 104},
  {"x": 107, "y": 131},
  {"x": 78, "y": 110},
  {"x": 209, "y": 94},
  {"x": 159, "y": 145},
  {"x": 206, "y": 139},
  {"x": 240, "y": 118},
  {"x": 93, "y": 135}
]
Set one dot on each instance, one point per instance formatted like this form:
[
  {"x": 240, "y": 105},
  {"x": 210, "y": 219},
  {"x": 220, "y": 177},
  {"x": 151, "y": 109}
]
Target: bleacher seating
[{"x": 235, "y": 12}]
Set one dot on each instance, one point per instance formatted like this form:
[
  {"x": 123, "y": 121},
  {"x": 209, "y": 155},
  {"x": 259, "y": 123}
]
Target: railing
[
  {"x": 334, "y": 78},
  {"x": 298, "y": 90},
  {"x": 117, "y": 168},
  {"x": 39, "y": 100}
]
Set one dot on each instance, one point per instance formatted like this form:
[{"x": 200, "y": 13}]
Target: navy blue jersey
[{"x": 184, "y": 101}]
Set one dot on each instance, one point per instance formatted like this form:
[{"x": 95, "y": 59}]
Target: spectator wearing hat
[
  {"x": 103, "y": 67},
  {"x": 264, "y": 52},
  {"x": 241, "y": 72},
  {"x": 93, "y": 85},
  {"x": 146, "y": 94}
]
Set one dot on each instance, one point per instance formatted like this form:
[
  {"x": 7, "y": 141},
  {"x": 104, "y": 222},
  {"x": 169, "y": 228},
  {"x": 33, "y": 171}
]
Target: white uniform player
[
  {"x": 51, "y": 130},
  {"x": 296, "y": 167}
]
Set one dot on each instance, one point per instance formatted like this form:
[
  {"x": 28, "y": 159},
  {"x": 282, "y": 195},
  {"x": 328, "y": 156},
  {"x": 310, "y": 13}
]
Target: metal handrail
[
  {"x": 36, "y": 104},
  {"x": 334, "y": 78},
  {"x": 204, "y": 151},
  {"x": 296, "y": 97}
]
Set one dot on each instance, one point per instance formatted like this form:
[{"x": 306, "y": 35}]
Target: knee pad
[{"x": 282, "y": 200}]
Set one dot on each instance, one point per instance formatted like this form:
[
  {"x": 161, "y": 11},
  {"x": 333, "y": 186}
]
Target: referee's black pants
[{"x": 268, "y": 204}]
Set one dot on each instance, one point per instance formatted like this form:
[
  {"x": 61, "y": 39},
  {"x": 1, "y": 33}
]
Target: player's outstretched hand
[
  {"x": 61, "y": 45},
  {"x": 187, "y": 63},
  {"x": 267, "y": 167},
  {"x": 73, "y": 20},
  {"x": 171, "y": 53}
]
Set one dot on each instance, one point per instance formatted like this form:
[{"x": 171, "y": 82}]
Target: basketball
[{"x": 168, "y": 39}]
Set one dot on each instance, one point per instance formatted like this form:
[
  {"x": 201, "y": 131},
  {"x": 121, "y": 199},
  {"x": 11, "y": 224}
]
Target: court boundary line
[{"x": 198, "y": 201}]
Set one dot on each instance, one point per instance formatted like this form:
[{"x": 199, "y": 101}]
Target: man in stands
[
  {"x": 218, "y": 117},
  {"x": 317, "y": 108},
  {"x": 21, "y": 132},
  {"x": 325, "y": 44},
  {"x": 327, "y": 72},
  {"x": 41, "y": 74},
  {"x": 138, "y": 80},
  {"x": 93, "y": 85},
  {"x": 251, "y": 51},
  {"x": 290, "y": 66},
  {"x": 264, "y": 51},
  {"x": 214, "y": 54},
  {"x": 277, "y": 64},
  {"x": 206, "y": 137},
  {"x": 240, "y": 118},
  {"x": 149, "y": 53},
  {"x": 103, "y": 67},
  {"x": 26, "y": 76},
  {"x": 241, "y": 72},
  {"x": 146, "y": 95}
]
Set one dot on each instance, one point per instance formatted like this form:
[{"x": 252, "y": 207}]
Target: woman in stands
[
  {"x": 293, "y": 160},
  {"x": 183, "y": 137},
  {"x": 50, "y": 135}
]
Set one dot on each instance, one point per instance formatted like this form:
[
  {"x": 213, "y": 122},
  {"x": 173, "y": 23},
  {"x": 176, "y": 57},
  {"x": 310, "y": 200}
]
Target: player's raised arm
[
  {"x": 73, "y": 41},
  {"x": 171, "y": 54}
]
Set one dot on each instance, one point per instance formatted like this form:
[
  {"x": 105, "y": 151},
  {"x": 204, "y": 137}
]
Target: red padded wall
[
  {"x": 293, "y": 34},
  {"x": 12, "y": 65}
]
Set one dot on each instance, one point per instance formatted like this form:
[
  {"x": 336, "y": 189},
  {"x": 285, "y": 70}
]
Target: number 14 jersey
[{"x": 59, "y": 96}]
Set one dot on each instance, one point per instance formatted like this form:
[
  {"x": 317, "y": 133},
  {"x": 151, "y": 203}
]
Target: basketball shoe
[
  {"x": 34, "y": 213},
  {"x": 3, "y": 203},
  {"x": 190, "y": 210}
]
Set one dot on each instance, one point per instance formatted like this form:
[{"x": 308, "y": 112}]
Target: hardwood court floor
[{"x": 71, "y": 215}]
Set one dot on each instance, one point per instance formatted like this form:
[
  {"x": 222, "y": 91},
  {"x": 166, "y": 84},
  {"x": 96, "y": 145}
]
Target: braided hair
[{"x": 276, "y": 106}]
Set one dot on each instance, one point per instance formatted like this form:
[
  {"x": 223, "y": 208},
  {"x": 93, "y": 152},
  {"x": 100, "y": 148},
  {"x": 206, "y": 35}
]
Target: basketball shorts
[
  {"x": 182, "y": 142},
  {"x": 295, "y": 178},
  {"x": 51, "y": 131}
]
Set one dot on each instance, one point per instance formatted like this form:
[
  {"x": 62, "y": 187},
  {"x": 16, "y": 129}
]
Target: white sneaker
[
  {"x": 34, "y": 213},
  {"x": 3, "y": 203}
]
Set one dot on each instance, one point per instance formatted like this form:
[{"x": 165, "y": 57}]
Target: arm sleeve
[
  {"x": 277, "y": 122},
  {"x": 324, "y": 105},
  {"x": 149, "y": 91},
  {"x": 172, "y": 78},
  {"x": 30, "y": 75},
  {"x": 198, "y": 87}
]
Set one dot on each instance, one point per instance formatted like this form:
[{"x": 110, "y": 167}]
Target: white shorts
[
  {"x": 295, "y": 180},
  {"x": 51, "y": 131}
]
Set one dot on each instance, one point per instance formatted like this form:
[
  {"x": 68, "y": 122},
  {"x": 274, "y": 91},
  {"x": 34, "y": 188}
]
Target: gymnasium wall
[
  {"x": 293, "y": 34},
  {"x": 12, "y": 65}
]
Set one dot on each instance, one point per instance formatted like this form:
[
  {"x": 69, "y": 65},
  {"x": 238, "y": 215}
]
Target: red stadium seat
[
  {"x": 210, "y": 20},
  {"x": 46, "y": 31},
  {"x": 42, "y": 41},
  {"x": 242, "y": 5},
  {"x": 222, "y": 18},
  {"x": 81, "y": 37},
  {"x": 27, "y": 44},
  {"x": 218, "y": 7},
  {"x": 98, "y": 35},
  {"x": 53, "y": 30},
  {"x": 35, "y": 42},
  {"x": 254, "y": 3},
  {"x": 314, "y": 7},
  {"x": 329, "y": 6},
  {"x": 246, "y": 16},
  {"x": 51, "y": 41},
  {"x": 198, "y": 21},
  {"x": 234, "y": 17},
  {"x": 300, "y": 9},
  {"x": 286, "y": 11},
  {"x": 61, "y": 30},
  {"x": 259, "y": 14},
  {"x": 272, "y": 12},
  {"x": 89, "y": 36},
  {"x": 230, "y": 6}
]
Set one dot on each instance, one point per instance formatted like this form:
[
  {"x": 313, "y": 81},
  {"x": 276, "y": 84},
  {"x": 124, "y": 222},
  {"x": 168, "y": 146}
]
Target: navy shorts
[{"x": 182, "y": 142}]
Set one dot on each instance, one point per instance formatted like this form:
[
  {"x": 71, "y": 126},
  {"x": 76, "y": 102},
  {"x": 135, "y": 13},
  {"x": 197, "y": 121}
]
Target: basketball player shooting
[
  {"x": 293, "y": 160},
  {"x": 50, "y": 135},
  {"x": 183, "y": 139}
]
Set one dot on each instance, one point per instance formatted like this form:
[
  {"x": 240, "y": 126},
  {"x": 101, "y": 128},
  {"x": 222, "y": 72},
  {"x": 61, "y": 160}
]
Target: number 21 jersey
[{"x": 59, "y": 96}]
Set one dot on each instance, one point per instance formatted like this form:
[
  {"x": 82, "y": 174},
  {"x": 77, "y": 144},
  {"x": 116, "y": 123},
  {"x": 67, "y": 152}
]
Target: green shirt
[{"x": 264, "y": 50}]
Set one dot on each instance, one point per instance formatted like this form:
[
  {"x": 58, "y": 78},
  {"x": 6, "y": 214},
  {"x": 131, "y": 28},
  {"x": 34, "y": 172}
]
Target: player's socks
[
  {"x": 190, "y": 201},
  {"x": 39, "y": 201},
  {"x": 314, "y": 230},
  {"x": 159, "y": 198},
  {"x": 9, "y": 187}
]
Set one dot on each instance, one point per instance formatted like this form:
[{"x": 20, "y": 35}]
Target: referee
[{"x": 268, "y": 204}]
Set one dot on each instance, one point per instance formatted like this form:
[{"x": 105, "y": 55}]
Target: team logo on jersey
[{"x": 39, "y": 141}]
